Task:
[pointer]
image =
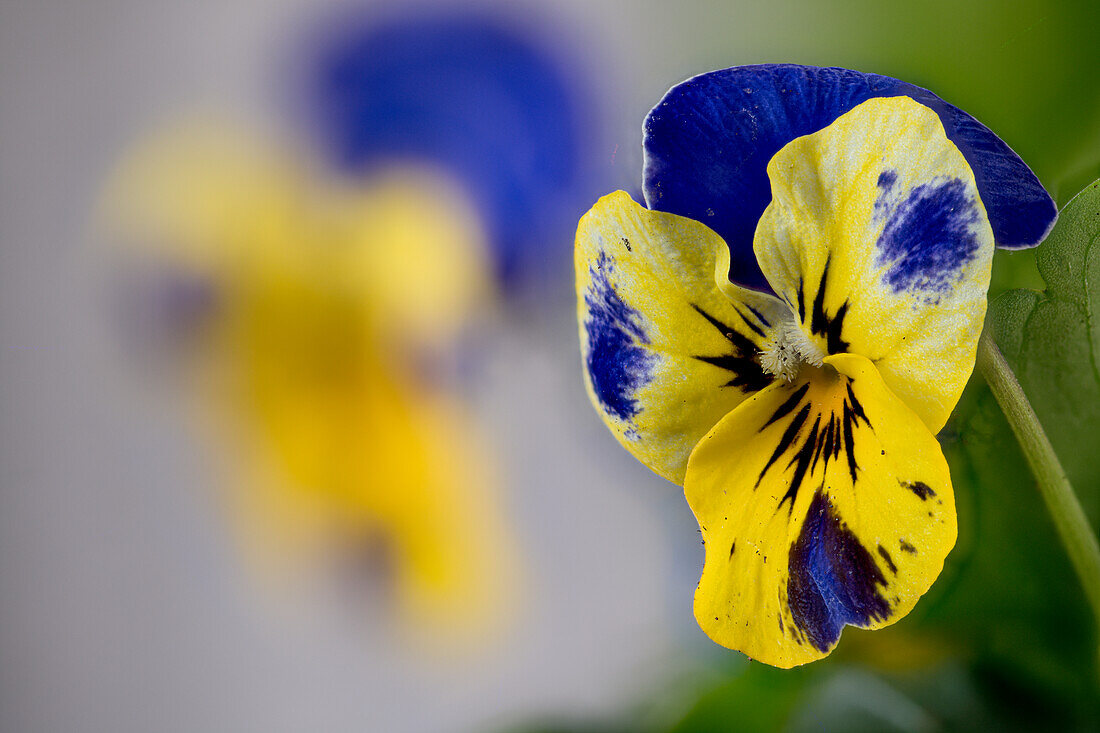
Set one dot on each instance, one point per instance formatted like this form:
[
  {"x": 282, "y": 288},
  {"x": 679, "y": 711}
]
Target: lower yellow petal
[{"x": 823, "y": 503}]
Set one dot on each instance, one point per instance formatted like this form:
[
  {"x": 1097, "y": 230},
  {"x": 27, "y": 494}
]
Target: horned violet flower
[{"x": 787, "y": 326}]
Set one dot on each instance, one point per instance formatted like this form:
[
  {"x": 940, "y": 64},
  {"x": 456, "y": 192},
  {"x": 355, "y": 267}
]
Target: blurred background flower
[
  {"x": 124, "y": 602},
  {"x": 320, "y": 318}
]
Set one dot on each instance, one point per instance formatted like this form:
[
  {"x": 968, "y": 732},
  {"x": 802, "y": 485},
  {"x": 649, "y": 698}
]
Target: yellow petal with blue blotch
[
  {"x": 822, "y": 502},
  {"x": 669, "y": 345},
  {"x": 878, "y": 240}
]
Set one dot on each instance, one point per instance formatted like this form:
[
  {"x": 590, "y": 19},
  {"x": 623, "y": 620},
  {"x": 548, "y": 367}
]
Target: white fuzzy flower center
[{"x": 785, "y": 353}]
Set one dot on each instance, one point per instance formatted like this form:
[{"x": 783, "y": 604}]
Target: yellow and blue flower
[{"x": 787, "y": 326}]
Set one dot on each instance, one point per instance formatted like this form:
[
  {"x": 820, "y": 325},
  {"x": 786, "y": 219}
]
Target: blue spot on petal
[
  {"x": 886, "y": 181},
  {"x": 929, "y": 237},
  {"x": 616, "y": 364},
  {"x": 834, "y": 580}
]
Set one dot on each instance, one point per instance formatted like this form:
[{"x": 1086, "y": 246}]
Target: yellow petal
[
  {"x": 418, "y": 245},
  {"x": 440, "y": 506},
  {"x": 379, "y": 474},
  {"x": 203, "y": 196},
  {"x": 877, "y": 238},
  {"x": 822, "y": 502},
  {"x": 667, "y": 351}
]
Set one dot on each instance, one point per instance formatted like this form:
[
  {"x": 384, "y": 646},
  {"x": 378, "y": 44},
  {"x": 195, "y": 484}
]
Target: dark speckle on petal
[
  {"x": 919, "y": 488},
  {"x": 886, "y": 181}
]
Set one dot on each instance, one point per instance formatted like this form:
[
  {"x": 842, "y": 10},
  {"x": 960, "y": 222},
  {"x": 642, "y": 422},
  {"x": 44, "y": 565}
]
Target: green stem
[{"x": 1069, "y": 518}]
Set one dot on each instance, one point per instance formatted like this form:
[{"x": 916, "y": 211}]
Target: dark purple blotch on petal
[
  {"x": 886, "y": 181},
  {"x": 833, "y": 579}
]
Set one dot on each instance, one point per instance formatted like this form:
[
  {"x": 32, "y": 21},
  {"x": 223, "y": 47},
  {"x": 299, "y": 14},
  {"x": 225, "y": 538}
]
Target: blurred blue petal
[
  {"x": 709, "y": 140},
  {"x": 473, "y": 95}
]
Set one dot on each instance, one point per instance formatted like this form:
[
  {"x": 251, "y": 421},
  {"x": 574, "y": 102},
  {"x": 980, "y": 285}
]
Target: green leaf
[{"x": 1052, "y": 340}]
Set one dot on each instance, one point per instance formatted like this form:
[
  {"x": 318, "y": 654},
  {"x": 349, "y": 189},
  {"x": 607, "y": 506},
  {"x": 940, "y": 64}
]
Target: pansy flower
[{"x": 788, "y": 325}]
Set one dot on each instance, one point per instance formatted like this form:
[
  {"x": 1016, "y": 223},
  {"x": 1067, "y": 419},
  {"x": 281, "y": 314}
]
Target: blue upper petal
[
  {"x": 471, "y": 94},
  {"x": 709, "y": 140}
]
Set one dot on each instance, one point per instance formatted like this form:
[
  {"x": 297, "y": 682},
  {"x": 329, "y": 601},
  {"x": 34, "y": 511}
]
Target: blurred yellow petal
[
  {"x": 822, "y": 502},
  {"x": 422, "y": 252},
  {"x": 876, "y": 237},
  {"x": 204, "y": 194},
  {"x": 396, "y": 474},
  {"x": 459, "y": 557},
  {"x": 669, "y": 345},
  {"x": 307, "y": 371}
]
